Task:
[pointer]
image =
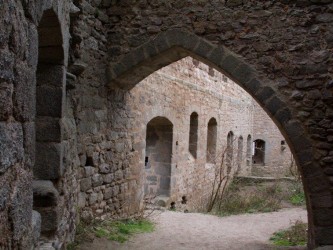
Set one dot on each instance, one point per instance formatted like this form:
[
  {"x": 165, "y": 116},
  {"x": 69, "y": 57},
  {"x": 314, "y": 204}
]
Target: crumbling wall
[{"x": 24, "y": 42}]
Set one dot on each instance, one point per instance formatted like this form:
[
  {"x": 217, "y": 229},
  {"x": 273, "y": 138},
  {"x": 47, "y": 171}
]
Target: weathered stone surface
[
  {"x": 45, "y": 194},
  {"x": 97, "y": 180},
  {"x": 6, "y": 105},
  {"x": 108, "y": 178},
  {"x": 49, "y": 165},
  {"x": 104, "y": 168},
  {"x": 11, "y": 145},
  {"x": 85, "y": 184},
  {"x": 298, "y": 32},
  {"x": 36, "y": 227},
  {"x": 81, "y": 199}
]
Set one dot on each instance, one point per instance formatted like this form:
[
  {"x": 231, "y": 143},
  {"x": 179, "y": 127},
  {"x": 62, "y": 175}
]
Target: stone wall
[
  {"x": 278, "y": 51},
  {"x": 278, "y": 158},
  {"x": 174, "y": 93},
  {"x": 35, "y": 141}
]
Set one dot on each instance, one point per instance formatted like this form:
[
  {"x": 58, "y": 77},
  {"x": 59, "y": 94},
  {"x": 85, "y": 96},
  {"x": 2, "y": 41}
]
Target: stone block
[
  {"x": 119, "y": 175},
  {"x": 20, "y": 210},
  {"x": 51, "y": 75},
  {"x": 89, "y": 171},
  {"x": 44, "y": 193},
  {"x": 4, "y": 195},
  {"x": 68, "y": 126},
  {"x": 81, "y": 202},
  {"x": 6, "y": 66},
  {"x": 253, "y": 86},
  {"x": 36, "y": 223},
  {"x": 186, "y": 40},
  {"x": 29, "y": 143},
  {"x": 6, "y": 104},
  {"x": 93, "y": 198},
  {"x": 11, "y": 145},
  {"x": 274, "y": 105},
  {"x": 97, "y": 180},
  {"x": 49, "y": 165},
  {"x": 115, "y": 190},
  {"x": 24, "y": 99},
  {"x": 264, "y": 94},
  {"x": 243, "y": 74},
  {"x": 203, "y": 49},
  {"x": 108, "y": 193},
  {"x": 85, "y": 184},
  {"x": 104, "y": 168},
  {"x": 108, "y": 178},
  {"x": 48, "y": 129},
  {"x": 283, "y": 116},
  {"x": 49, "y": 101},
  {"x": 229, "y": 64}
]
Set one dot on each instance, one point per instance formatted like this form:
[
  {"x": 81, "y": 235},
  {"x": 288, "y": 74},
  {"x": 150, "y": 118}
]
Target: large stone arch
[{"x": 174, "y": 44}]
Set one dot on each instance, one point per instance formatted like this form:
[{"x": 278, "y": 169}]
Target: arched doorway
[
  {"x": 175, "y": 44},
  {"x": 159, "y": 137}
]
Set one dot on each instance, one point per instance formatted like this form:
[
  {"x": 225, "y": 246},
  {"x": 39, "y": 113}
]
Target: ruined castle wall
[
  {"x": 278, "y": 157},
  {"x": 24, "y": 41},
  {"x": 174, "y": 92}
]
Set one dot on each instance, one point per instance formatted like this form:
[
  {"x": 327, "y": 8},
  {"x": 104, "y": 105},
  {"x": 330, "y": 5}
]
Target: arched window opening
[
  {"x": 158, "y": 156},
  {"x": 239, "y": 153},
  {"x": 211, "y": 141},
  {"x": 248, "y": 150},
  {"x": 259, "y": 152},
  {"x": 229, "y": 151},
  {"x": 193, "y": 137}
]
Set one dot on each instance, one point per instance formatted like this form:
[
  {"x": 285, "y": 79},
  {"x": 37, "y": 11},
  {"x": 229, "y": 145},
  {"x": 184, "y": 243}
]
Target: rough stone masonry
[{"x": 67, "y": 68}]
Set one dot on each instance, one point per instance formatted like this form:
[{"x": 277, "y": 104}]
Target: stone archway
[{"x": 175, "y": 44}]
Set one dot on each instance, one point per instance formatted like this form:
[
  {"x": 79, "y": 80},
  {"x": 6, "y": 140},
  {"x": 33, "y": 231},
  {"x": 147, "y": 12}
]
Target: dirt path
[{"x": 182, "y": 231}]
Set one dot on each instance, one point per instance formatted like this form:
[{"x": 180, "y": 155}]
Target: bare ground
[{"x": 175, "y": 230}]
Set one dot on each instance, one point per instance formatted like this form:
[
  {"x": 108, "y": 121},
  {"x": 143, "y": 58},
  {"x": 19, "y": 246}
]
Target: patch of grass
[
  {"x": 121, "y": 230},
  {"x": 297, "y": 196},
  {"x": 296, "y": 235},
  {"x": 242, "y": 198},
  {"x": 113, "y": 230}
]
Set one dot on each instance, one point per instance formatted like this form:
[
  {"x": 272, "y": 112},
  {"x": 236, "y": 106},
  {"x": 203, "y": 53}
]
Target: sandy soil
[{"x": 180, "y": 231}]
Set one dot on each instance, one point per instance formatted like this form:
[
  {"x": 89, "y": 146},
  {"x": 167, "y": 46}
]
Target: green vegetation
[
  {"x": 297, "y": 196},
  {"x": 296, "y": 235},
  {"x": 119, "y": 230},
  {"x": 259, "y": 197}
]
